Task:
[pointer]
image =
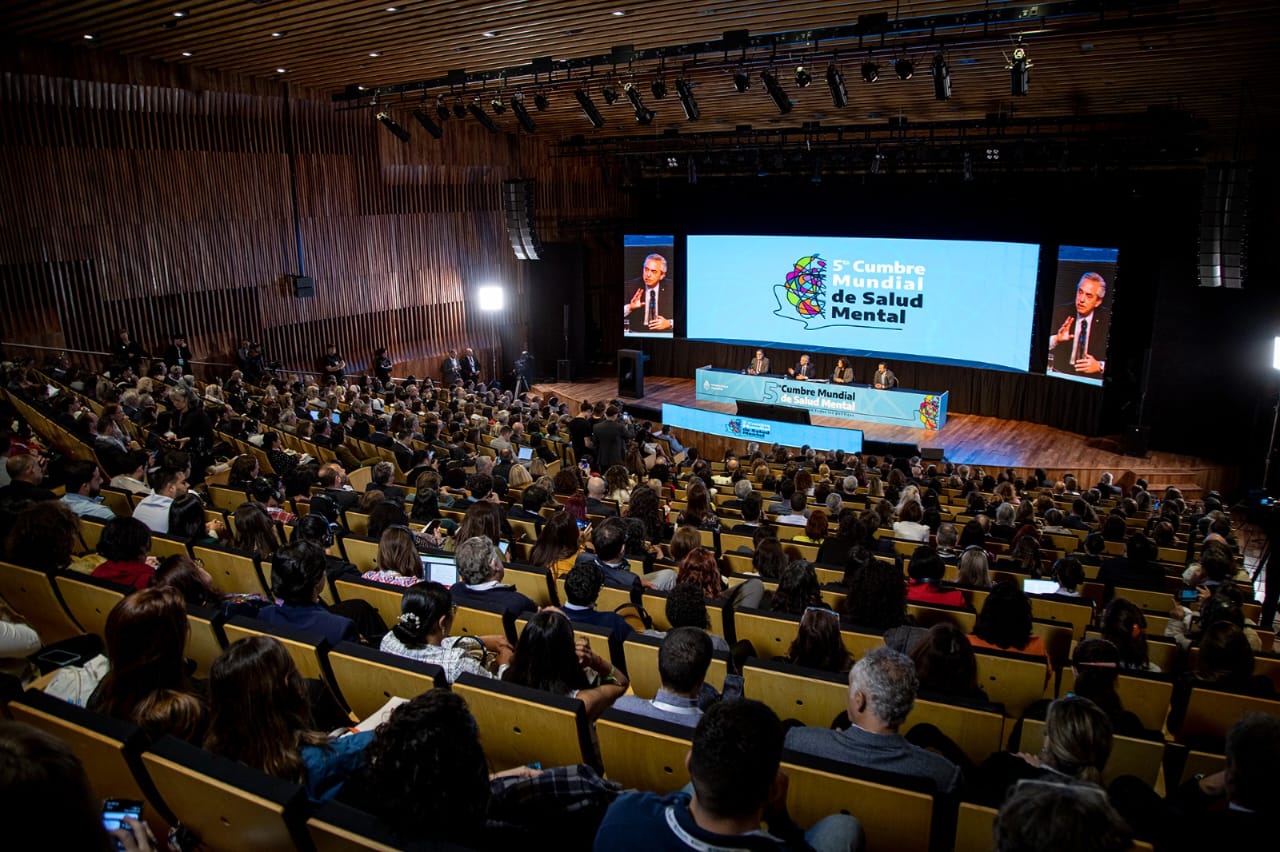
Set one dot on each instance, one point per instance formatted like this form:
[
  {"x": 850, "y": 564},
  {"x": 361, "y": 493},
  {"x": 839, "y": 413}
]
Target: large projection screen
[{"x": 945, "y": 301}]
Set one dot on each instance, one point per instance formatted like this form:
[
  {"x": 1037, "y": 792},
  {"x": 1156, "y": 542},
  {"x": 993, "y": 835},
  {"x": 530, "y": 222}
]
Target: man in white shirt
[
  {"x": 84, "y": 481},
  {"x": 134, "y": 478},
  {"x": 154, "y": 510}
]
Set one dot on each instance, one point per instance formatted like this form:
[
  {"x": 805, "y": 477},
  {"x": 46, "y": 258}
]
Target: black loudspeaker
[
  {"x": 644, "y": 412},
  {"x": 1224, "y": 227},
  {"x": 631, "y": 373},
  {"x": 890, "y": 448},
  {"x": 777, "y": 413},
  {"x": 304, "y": 286},
  {"x": 932, "y": 454},
  {"x": 517, "y": 202},
  {"x": 1135, "y": 440}
]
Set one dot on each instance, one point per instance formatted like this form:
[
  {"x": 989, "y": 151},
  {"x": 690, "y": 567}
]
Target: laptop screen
[
  {"x": 1039, "y": 587},
  {"x": 524, "y": 453},
  {"x": 439, "y": 569},
  {"x": 315, "y": 415}
]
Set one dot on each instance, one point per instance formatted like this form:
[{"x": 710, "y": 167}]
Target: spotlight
[
  {"x": 478, "y": 113},
  {"x": 835, "y": 82},
  {"x": 442, "y": 109},
  {"x": 428, "y": 123},
  {"x": 904, "y": 69},
  {"x": 941, "y": 78},
  {"x": 658, "y": 87},
  {"x": 684, "y": 91},
  {"x": 540, "y": 101},
  {"x": 589, "y": 108},
  {"x": 390, "y": 123},
  {"x": 741, "y": 80},
  {"x": 1019, "y": 72},
  {"x": 803, "y": 77},
  {"x": 644, "y": 115},
  {"x": 497, "y": 105},
  {"x": 610, "y": 95},
  {"x": 870, "y": 71},
  {"x": 776, "y": 93},
  {"x": 459, "y": 110},
  {"x": 522, "y": 114}
]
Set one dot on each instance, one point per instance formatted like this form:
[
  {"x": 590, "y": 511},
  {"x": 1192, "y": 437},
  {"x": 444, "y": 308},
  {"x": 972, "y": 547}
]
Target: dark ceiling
[{"x": 1203, "y": 70}]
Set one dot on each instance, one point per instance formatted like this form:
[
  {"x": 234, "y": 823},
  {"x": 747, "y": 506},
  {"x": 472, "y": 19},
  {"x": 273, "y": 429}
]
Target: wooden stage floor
[{"x": 971, "y": 439}]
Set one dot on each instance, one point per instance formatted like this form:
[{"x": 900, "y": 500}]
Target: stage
[{"x": 967, "y": 438}]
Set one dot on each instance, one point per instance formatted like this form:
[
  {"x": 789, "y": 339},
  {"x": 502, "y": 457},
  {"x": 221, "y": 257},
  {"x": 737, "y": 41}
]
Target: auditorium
[{"x": 921, "y": 498}]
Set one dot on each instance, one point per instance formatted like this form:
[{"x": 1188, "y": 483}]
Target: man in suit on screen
[
  {"x": 759, "y": 365},
  {"x": 652, "y": 304},
  {"x": 1078, "y": 346},
  {"x": 884, "y": 379}
]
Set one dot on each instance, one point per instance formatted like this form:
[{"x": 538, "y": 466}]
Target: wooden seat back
[
  {"x": 90, "y": 601},
  {"x": 366, "y": 677},
  {"x": 641, "y": 753},
  {"x": 641, "y": 654},
  {"x": 1129, "y": 756},
  {"x": 1014, "y": 680},
  {"x": 1146, "y": 696},
  {"x": 32, "y": 594},
  {"x": 385, "y": 599},
  {"x": 233, "y": 572},
  {"x": 519, "y": 725},
  {"x": 892, "y": 816}
]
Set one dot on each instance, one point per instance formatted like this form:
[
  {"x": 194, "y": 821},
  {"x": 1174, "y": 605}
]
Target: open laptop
[
  {"x": 439, "y": 568},
  {"x": 524, "y": 454},
  {"x": 1039, "y": 587}
]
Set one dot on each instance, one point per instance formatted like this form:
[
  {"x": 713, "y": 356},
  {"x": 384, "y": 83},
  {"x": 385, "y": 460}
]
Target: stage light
[
  {"x": 870, "y": 72},
  {"x": 478, "y": 113},
  {"x": 941, "y": 78},
  {"x": 497, "y": 105},
  {"x": 589, "y": 108},
  {"x": 658, "y": 87},
  {"x": 390, "y": 123},
  {"x": 644, "y": 115},
  {"x": 741, "y": 80},
  {"x": 610, "y": 95},
  {"x": 776, "y": 93},
  {"x": 803, "y": 77},
  {"x": 1019, "y": 72},
  {"x": 904, "y": 69},
  {"x": 428, "y": 123},
  {"x": 835, "y": 83},
  {"x": 442, "y": 109},
  {"x": 490, "y": 297},
  {"x": 684, "y": 91},
  {"x": 522, "y": 114},
  {"x": 459, "y": 110},
  {"x": 540, "y": 101}
]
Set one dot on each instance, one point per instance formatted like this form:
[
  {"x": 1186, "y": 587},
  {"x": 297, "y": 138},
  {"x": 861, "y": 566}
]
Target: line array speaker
[
  {"x": 1224, "y": 227},
  {"x": 517, "y": 202}
]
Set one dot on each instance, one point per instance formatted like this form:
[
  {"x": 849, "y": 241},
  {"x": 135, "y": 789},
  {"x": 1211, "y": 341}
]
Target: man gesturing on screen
[
  {"x": 1080, "y": 343},
  {"x": 652, "y": 300},
  {"x": 803, "y": 370}
]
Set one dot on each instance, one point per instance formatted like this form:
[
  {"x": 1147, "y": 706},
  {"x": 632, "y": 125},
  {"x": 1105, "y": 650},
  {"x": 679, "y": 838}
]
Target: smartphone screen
[
  {"x": 1188, "y": 596},
  {"x": 114, "y": 812},
  {"x": 582, "y": 525}
]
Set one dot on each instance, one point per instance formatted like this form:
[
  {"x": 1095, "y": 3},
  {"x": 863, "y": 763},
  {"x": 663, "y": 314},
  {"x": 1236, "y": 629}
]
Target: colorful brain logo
[
  {"x": 734, "y": 427},
  {"x": 929, "y": 411},
  {"x": 806, "y": 285}
]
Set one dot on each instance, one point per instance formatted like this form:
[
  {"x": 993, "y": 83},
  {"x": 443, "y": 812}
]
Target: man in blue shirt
[
  {"x": 734, "y": 789},
  {"x": 84, "y": 482},
  {"x": 581, "y": 589},
  {"x": 608, "y": 539}
]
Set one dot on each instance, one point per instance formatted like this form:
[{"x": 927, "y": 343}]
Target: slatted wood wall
[{"x": 133, "y": 195}]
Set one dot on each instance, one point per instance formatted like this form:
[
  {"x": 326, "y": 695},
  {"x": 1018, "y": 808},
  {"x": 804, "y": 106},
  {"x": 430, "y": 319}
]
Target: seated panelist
[
  {"x": 843, "y": 373},
  {"x": 803, "y": 370},
  {"x": 759, "y": 365}
]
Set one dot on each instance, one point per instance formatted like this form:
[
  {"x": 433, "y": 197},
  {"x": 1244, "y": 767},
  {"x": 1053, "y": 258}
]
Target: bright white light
[
  {"x": 1275, "y": 357},
  {"x": 491, "y": 298}
]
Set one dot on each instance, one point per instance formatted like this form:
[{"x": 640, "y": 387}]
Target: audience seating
[
  {"x": 1144, "y": 695},
  {"x": 228, "y": 805},
  {"x": 896, "y": 812},
  {"x": 641, "y": 653},
  {"x": 643, "y": 753},
  {"x": 335, "y": 827},
  {"x": 973, "y": 828},
  {"x": 978, "y": 731},
  {"x": 1014, "y": 680},
  {"x": 163, "y": 546},
  {"x": 812, "y": 697},
  {"x": 109, "y": 748},
  {"x": 532, "y": 582},
  {"x": 382, "y": 597},
  {"x": 519, "y": 725},
  {"x": 233, "y": 572},
  {"x": 32, "y": 593},
  {"x": 204, "y": 642},
  {"x": 1210, "y": 714},
  {"x": 366, "y": 677},
  {"x": 90, "y": 600},
  {"x": 477, "y": 621},
  {"x": 1129, "y": 755},
  {"x": 361, "y": 552}
]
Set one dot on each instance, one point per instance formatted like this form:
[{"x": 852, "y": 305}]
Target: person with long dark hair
[
  {"x": 147, "y": 683},
  {"x": 946, "y": 665},
  {"x": 1125, "y": 626},
  {"x": 1004, "y": 624},
  {"x": 818, "y": 644},
  {"x": 260, "y": 715},
  {"x": 548, "y": 657},
  {"x": 926, "y": 570},
  {"x": 559, "y": 544},
  {"x": 797, "y": 590}
]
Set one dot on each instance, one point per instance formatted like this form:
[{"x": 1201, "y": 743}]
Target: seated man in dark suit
[
  {"x": 480, "y": 573},
  {"x": 531, "y": 500},
  {"x": 608, "y": 539},
  {"x": 596, "y": 504},
  {"x": 1137, "y": 569},
  {"x": 581, "y": 589},
  {"x": 383, "y": 472},
  {"x": 751, "y": 507}
]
